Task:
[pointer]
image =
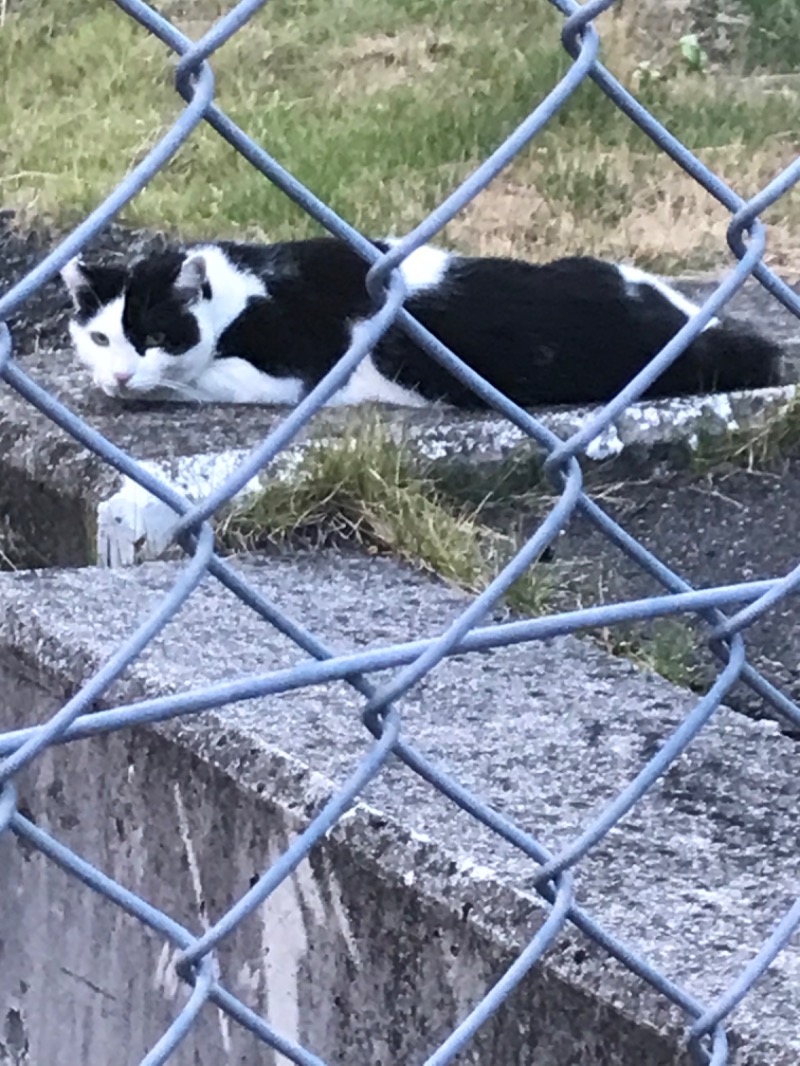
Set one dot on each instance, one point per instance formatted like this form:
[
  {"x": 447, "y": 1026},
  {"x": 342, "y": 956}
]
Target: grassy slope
[{"x": 381, "y": 107}]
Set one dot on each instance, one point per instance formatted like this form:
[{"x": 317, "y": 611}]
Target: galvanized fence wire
[{"x": 412, "y": 661}]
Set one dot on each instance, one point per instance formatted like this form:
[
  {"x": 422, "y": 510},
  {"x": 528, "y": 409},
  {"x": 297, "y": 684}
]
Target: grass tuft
[
  {"x": 667, "y": 647},
  {"x": 365, "y": 488}
]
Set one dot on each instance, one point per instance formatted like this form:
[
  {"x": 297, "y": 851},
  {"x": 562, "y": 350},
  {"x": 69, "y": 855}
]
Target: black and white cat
[{"x": 262, "y": 324}]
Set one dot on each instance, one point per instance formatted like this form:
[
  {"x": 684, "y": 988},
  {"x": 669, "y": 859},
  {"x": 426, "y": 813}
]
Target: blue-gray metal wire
[{"x": 412, "y": 661}]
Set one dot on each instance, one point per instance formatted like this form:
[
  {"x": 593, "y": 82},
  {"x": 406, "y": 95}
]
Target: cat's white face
[
  {"x": 119, "y": 369},
  {"x": 139, "y": 340}
]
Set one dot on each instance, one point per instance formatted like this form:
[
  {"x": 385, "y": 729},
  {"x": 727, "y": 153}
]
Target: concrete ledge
[
  {"x": 384, "y": 940},
  {"x": 86, "y": 513}
]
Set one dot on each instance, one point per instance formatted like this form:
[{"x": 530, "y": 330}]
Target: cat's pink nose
[{"x": 122, "y": 377}]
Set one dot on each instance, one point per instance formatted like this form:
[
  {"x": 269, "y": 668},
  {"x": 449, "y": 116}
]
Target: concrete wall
[{"x": 346, "y": 957}]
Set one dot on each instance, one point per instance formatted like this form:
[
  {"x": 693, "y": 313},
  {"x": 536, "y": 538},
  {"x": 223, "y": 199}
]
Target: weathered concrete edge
[
  {"x": 133, "y": 526},
  {"x": 404, "y": 859},
  {"x": 67, "y": 622}
]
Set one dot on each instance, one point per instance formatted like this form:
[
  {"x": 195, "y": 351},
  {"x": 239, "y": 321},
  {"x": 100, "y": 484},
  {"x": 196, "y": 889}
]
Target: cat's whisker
[{"x": 181, "y": 388}]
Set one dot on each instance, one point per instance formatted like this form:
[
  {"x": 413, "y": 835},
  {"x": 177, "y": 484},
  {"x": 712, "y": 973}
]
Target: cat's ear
[
  {"x": 192, "y": 278},
  {"x": 92, "y": 285},
  {"x": 74, "y": 277}
]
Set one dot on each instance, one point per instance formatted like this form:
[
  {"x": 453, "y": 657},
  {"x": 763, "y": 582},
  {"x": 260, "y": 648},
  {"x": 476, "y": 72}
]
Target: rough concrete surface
[{"x": 410, "y": 907}]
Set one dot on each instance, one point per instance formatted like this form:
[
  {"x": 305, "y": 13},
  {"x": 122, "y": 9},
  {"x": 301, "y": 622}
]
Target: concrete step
[
  {"x": 62, "y": 506},
  {"x": 410, "y": 909}
]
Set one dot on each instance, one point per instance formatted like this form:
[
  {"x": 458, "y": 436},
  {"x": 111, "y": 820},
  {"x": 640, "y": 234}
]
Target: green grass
[
  {"x": 773, "y": 40},
  {"x": 667, "y": 647},
  {"x": 752, "y": 35},
  {"x": 336, "y": 94},
  {"x": 365, "y": 488},
  {"x": 381, "y": 107}
]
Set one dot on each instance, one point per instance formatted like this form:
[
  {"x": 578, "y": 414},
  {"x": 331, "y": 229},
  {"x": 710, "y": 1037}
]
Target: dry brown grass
[
  {"x": 373, "y": 63},
  {"x": 644, "y": 205},
  {"x": 664, "y": 215},
  {"x": 630, "y": 200}
]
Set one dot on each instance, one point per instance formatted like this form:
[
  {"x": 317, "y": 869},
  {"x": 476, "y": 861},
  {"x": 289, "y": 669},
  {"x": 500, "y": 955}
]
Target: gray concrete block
[
  {"x": 400, "y": 920},
  {"x": 64, "y": 507}
]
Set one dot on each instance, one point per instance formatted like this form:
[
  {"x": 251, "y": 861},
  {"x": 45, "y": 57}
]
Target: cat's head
[{"x": 142, "y": 328}]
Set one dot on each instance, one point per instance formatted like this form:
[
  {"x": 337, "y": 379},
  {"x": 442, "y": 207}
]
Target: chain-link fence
[{"x": 381, "y": 710}]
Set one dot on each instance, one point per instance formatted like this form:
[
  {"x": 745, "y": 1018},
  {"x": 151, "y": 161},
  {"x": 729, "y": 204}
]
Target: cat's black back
[
  {"x": 571, "y": 331},
  {"x": 317, "y": 292}
]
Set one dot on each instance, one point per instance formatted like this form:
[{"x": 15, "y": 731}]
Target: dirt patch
[{"x": 378, "y": 62}]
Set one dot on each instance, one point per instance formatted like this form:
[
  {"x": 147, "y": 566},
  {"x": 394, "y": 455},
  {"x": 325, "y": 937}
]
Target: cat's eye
[
  {"x": 100, "y": 339},
  {"x": 155, "y": 340}
]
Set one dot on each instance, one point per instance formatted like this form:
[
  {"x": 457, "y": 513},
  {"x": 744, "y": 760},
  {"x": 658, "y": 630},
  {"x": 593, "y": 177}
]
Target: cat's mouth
[{"x": 110, "y": 390}]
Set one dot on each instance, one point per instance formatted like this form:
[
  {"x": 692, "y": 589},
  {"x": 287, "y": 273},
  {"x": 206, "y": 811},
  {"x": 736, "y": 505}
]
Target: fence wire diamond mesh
[{"x": 381, "y": 713}]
